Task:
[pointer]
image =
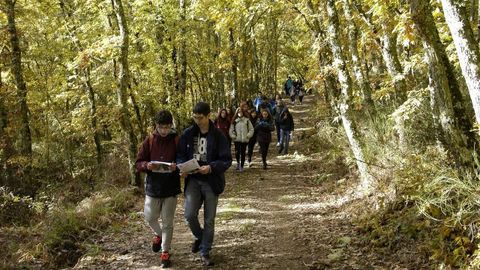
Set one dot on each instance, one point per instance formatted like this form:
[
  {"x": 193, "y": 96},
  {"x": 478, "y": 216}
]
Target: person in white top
[{"x": 241, "y": 130}]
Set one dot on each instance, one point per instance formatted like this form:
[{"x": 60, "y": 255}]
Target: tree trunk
[
  {"x": 182, "y": 54},
  {"x": 366, "y": 180},
  {"x": 358, "y": 72},
  {"x": 234, "y": 58},
  {"x": 467, "y": 50},
  {"x": 25, "y": 134},
  {"x": 122, "y": 88},
  {"x": 442, "y": 84},
  {"x": 85, "y": 74},
  {"x": 390, "y": 56},
  {"x": 275, "y": 55},
  {"x": 221, "y": 102},
  {"x": 474, "y": 8}
]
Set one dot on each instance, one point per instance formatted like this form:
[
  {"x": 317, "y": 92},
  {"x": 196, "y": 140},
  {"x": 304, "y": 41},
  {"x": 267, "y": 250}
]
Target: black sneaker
[
  {"x": 165, "y": 257},
  {"x": 156, "y": 243},
  {"x": 207, "y": 261},
  {"x": 196, "y": 246}
]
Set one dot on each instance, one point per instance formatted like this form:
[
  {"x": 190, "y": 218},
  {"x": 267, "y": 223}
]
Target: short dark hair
[
  {"x": 202, "y": 108},
  {"x": 164, "y": 117}
]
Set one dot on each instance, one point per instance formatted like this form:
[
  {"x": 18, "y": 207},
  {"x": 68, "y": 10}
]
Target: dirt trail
[{"x": 267, "y": 219}]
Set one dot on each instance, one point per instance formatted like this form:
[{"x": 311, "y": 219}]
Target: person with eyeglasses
[
  {"x": 156, "y": 158},
  {"x": 209, "y": 147}
]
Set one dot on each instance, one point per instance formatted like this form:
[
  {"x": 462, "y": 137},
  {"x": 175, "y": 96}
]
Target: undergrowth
[{"x": 67, "y": 231}]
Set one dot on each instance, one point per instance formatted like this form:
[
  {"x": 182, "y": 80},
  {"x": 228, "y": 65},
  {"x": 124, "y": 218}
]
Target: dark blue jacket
[{"x": 219, "y": 156}]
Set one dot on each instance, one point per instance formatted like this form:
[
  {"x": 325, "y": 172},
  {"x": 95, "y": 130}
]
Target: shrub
[
  {"x": 70, "y": 227},
  {"x": 15, "y": 210}
]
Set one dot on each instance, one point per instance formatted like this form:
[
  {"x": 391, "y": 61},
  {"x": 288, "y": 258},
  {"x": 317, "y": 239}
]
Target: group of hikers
[
  {"x": 293, "y": 89},
  {"x": 252, "y": 123},
  {"x": 208, "y": 143}
]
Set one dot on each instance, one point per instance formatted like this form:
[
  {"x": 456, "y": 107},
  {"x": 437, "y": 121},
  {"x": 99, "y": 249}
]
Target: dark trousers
[
  {"x": 300, "y": 98},
  {"x": 240, "y": 149},
  {"x": 251, "y": 145},
  {"x": 264, "y": 151}
]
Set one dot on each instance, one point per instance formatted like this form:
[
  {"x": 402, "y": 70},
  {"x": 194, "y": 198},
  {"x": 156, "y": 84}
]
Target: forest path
[{"x": 280, "y": 218}]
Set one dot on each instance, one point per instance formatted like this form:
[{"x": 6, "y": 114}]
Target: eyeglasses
[{"x": 198, "y": 117}]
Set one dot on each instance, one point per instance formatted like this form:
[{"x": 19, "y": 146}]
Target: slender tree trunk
[
  {"x": 219, "y": 74},
  {"x": 358, "y": 72},
  {"x": 390, "y": 56},
  {"x": 182, "y": 53},
  {"x": 234, "y": 58},
  {"x": 275, "y": 55},
  {"x": 474, "y": 8},
  {"x": 85, "y": 74},
  {"x": 442, "y": 84},
  {"x": 122, "y": 88},
  {"x": 366, "y": 180},
  {"x": 25, "y": 134},
  {"x": 467, "y": 49}
]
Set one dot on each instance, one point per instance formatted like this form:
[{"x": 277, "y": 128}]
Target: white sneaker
[
  {"x": 249, "y": 164},
  {"x": 278, "y": 144}
]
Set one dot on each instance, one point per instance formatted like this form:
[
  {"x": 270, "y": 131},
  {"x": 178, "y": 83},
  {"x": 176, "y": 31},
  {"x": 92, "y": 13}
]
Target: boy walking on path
[
  {"x": 162, "y": 185},
  {"x": 209, "y": 147}
]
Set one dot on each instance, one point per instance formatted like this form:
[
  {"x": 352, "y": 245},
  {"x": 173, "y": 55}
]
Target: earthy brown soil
[{"x": 280, "y": 218}]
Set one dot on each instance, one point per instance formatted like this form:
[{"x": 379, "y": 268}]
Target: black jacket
[
  {"x": 286, "y": 123},
  {"x": 219, "y": 156}
]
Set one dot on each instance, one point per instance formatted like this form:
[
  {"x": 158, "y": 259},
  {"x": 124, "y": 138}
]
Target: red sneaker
[
  {"x": 165, "y": 257},
  {"x": 156, "y": 243}
]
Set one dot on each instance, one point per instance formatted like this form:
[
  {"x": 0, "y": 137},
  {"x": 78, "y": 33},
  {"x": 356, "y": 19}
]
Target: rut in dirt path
[{"x": 278, "y": 218}]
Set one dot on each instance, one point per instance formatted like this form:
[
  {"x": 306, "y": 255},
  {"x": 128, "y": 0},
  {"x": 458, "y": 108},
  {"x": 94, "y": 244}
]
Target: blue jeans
[
  {"x": 284, "y": 141},
  {"x": 197, "y": 193}
]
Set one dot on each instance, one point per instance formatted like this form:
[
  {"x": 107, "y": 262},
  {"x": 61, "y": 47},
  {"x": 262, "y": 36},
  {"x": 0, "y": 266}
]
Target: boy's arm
[{"x": 224, "y": 157}]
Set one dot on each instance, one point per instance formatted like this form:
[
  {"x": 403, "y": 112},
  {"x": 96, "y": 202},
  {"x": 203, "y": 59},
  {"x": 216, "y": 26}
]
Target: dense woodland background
[{"x": 80, "y": 81}]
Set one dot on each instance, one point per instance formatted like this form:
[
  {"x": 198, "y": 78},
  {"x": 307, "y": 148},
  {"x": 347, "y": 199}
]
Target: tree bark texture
[
  {"x": 182, "y": 52},
  {"x": 467, "y": 49},
  {"x": 390, "y": 56},
  {"x": 234, "y": 59},
  {"x": 442, "y": 82},
  {"x": 122, "y": 89},
  {"x": 25, "y": 137},
  {"x": 366, "y": 180},
  {"x": 358, "y": 72}
]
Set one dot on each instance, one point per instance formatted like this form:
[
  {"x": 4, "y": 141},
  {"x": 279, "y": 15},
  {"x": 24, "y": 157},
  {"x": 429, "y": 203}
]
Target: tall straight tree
[
  {"x": 122, "y": 88},
  {"x": 358, "y": 72},
  {"x": 85, "y": 78},
  {"x": 442, "y": 82},
  {"x": 182, "y": 50},
  {"x": 366, "y": 182},
  {"x": 467, "y": 49},
  {"x": 25, "y": 134},
  {"x": 234, "y": 65}
]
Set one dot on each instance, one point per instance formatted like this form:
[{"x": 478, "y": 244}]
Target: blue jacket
[{"x": 219, "y": 156}]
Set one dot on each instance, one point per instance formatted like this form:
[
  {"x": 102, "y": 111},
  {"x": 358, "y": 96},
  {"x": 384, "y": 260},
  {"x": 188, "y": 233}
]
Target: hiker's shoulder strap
[{"x": 150, "y": 142}]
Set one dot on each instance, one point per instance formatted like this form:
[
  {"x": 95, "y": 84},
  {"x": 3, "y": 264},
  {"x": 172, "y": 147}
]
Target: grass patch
[{"x": 228, "y": 211}]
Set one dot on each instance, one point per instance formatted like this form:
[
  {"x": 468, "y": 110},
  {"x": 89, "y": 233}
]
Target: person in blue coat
[{"x": 209, "y": 147}]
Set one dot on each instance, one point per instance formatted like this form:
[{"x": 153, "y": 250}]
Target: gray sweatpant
[{"x": 164, "y": 207}]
